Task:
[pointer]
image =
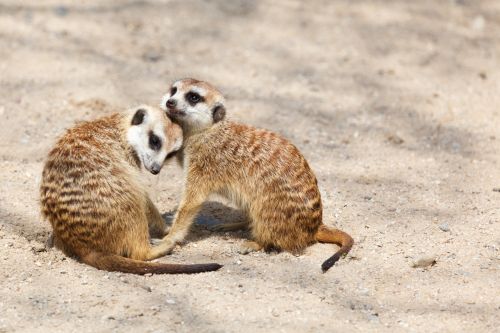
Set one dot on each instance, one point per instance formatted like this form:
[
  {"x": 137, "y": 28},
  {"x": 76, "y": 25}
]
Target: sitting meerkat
[
  {"x": 94, "y": 199},
  {"x": 260, "y": 171}
]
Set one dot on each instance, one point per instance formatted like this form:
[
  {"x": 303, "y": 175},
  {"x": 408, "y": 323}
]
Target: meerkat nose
[
  {"x": 155, "y": 169},
  {"x": 171, "y": 103}
]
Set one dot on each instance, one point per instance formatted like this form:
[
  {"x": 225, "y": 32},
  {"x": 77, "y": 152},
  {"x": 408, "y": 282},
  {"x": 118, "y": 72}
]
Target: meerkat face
[
  {"x": 194, "y": 104},
  {"x": 153, "y": 137}
]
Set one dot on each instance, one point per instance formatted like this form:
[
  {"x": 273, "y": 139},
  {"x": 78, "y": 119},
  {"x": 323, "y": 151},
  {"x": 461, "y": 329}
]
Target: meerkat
[
  {"x": 258, "y": 170},
  {"x": 92, "y": 194}
]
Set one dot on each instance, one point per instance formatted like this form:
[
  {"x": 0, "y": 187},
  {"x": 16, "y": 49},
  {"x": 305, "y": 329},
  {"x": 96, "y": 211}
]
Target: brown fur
[
  {"x": 96, "y": 204},
  {"x": 260, "y": 171}
]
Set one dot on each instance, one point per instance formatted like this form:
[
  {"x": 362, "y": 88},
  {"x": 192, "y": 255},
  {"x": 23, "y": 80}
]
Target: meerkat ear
[
  {"x": 218, "y": 113},
  {"x": 138, "y": 117}
]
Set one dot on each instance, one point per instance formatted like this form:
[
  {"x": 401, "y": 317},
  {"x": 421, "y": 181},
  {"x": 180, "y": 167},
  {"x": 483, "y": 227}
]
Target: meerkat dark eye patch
[
  {"x": 154, "y": 141},
  {"x": 138, "y": 117},
  {"x": 218, "y": 113},
  {"x": 194, "y": 98},
  {"x": 173, "y": 90}
]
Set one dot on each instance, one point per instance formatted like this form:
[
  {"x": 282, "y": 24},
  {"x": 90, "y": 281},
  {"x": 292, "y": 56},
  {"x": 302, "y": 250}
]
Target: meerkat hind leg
[{"x": 157, "y": 226}]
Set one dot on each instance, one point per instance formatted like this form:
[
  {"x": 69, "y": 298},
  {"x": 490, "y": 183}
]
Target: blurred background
[{"x": 394, "y": 103}]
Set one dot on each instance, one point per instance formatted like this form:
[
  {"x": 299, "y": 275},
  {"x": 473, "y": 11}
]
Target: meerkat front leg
[
  {"x": 157, "y": 227},
  {"x": 184, "y": 218}
]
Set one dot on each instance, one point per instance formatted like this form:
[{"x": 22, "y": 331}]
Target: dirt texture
[{"x": 395, "y": 104}]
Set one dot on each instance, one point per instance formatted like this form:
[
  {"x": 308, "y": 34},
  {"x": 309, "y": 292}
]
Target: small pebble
[
  {"x": 373, "y": 317},
  {"x": 147, "y": 288},
  {"x": 424, "y": 262},
  {"x": 61, "y": 11},
  {"x": 38, "y": 248},
  {"x": 444, "y": 227},
  {"x": 395, "y": 139},
  {"x": 364, "y": 291},
  {"x": 151, "y": 56},
  {"x": 170, "y": 301},
  {"x": 464, "y": 273},
  {"x": 478, "y": 23}
]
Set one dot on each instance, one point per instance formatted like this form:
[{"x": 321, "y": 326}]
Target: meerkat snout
[
  {"x": 171, "y": 103},
  {"x": 153, "y": 137}
]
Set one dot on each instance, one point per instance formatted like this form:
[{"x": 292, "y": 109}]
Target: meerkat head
[
  {"x": 153, "y": 137},
  {"x": 193, "y": 104}
]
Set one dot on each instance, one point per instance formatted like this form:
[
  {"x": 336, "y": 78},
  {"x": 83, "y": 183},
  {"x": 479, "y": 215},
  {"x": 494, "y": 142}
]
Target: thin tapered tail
[
  {"x": 335, "y": 236},
  {"x": 116, "y": 263}
]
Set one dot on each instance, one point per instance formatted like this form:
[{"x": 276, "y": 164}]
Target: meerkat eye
[
  {"x": 154, "y": 142},
  {"x": 193, "y": 97},
  {"x": 173, "y": 90}
]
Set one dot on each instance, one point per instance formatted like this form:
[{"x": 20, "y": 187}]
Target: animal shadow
[{"x": 211, "y": 215}]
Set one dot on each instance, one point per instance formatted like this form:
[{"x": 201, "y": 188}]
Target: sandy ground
[{"x": 395, "y": 104}]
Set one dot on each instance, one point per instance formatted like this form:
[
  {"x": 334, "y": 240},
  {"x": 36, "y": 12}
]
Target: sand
[{"x": 395, "y": 104}]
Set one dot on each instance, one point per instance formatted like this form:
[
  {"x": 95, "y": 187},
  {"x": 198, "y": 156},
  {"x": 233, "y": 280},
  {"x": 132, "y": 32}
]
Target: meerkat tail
[
  {"x": 335, "y": 236},
  {"x": 116, "y": 263}
]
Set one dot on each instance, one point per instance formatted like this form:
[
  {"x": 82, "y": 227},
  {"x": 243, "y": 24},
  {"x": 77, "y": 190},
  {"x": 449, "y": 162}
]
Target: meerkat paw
[
  {"x": 248, "y": 247},
  {"x": 155, "y": 241},
  {"x": 161, "y": 248},
  {"x": 164, "y": 232},
  {"x": 164, "y": 243}
]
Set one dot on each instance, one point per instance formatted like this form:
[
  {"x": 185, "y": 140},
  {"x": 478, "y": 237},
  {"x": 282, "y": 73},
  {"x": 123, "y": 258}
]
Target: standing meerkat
[
  {"x": 260, "y": 171},
  {"x": 94, "y": 199}
]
